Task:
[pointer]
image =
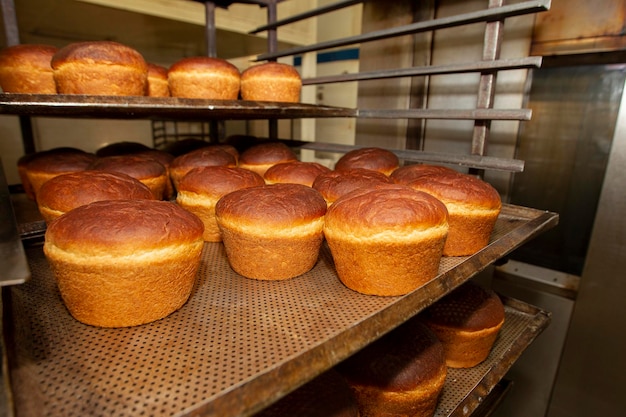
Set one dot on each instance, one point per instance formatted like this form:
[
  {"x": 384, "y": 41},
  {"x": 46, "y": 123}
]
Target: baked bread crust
[
  {"x": 375, "y": 159},
  {"x": 68, "y": 191},
  {"x": 122, "y": 263},
  {"x": 467, "y": 321},
  {"x": 405, "y": 174},
  {"x": 271, "y": 81},
  {"x": 260, "y": 157},
  {"x": 212, "y": 155},
  {"x": 334, "y": 184},
  {"x": 386, "y": 240},
  {"x": 400, "y": 374},
  {"x": 145, "y": 169},
  {"x": 158, "y": 85},
  {"x": 473, "y": 206},
  {"x": 100, "y": 68},
  {"x": 294, "y": 172},
  {"x": 204, "y": 77},
  {"x": 272, "y": 232},
  {"x": 26, "y": 69},
  {"x": 201, "y": 188},
  {"x": 46, "y": 165}
]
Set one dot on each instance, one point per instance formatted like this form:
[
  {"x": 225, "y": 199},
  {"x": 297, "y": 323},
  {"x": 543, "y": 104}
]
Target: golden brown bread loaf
[
  {"x": 100, "y": 68},
  {"x": 376, "y": 159},
  {"x": 165, "y": 159},
  {"x": 334, "y": 184},
  {"x": 473, "y": 206},
  {"x": 68, "y": 191},
  {"x": 26, "y": 69},
  {"x": 387, "y": 239},
  {"x": 260, "y": 157},
  {"x": 401, "y": 374},
  {"x": 467, "y": 321},
  {"x": 204, "y": 77},
  {"x": 271, "y": 81},
  {"x": 404, "y": 175},
  {"x": 122, "y": 263},
  {"x": 328, "y": 395},
  {"x": 212, "y": 155},
  {"x": 158, "y": 85},
  {"x": 294, "y": 172},
  {"x": 272, "y": 232},
  {"x": 147, "y": 170},
  {"x": 45, "y": 165},
  {"x": 201, "y": 188}
]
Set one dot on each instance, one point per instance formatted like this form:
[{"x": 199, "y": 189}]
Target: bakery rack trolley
[{"x": 238, "y": 345}]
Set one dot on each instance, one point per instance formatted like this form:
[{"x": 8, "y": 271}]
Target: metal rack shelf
[{"x": 235, "y": 347}]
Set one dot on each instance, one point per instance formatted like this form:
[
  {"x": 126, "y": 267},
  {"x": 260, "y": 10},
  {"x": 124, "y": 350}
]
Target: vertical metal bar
[
  {"x": 210, "y": 30},
  {"x": 211, "y": 47},
  {"x": 487, "y": 84},
  {"x": 272, "y": 47}
]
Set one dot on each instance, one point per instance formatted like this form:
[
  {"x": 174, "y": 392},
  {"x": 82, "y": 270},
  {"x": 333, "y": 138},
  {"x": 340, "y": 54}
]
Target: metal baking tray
[
  {"x": 122, "y": 107},
  {"x": 235, "y": 347}
]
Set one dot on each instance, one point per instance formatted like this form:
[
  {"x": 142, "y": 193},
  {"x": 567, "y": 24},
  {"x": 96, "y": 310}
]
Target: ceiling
[{"x": 160, "y": 40}]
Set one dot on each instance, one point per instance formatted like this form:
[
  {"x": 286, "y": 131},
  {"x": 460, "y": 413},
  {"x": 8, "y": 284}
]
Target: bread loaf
[
  {"x": 260, "y": 157},
  {"x": 26, "y": 69},
  {"x": 467, "y": 321},
  {"x": 68, "y": 191},
  {"x": 201, "y": 188},
  {"x": 295, "y": 172},
  {"x": 271, "y": 81},
  {"x": 212, "y": 155},
  {"x": 147, "y": 170},
  {"x": 122, "y": 263},
  {"x": 375, "y": 159},
  {"x": 158, "y": 85},
  {"x": 401, "y": 374},
  {"x": 473, "y": 206},
  {"x": 204, "y": 77},
  {"x": 386, "y": 240},
  {"x": 334, "y": 184},
  {"x": 272, "y": 232},
  {"x": 100, "y": 68}
]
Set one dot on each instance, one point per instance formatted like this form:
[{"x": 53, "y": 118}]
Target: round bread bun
[
  {"x": 212, "y": 155},
  {"x": 201, "y": 188},
  {"x": 46, "y": 165},
  {"x": 401, "y": 374},
  {"x": 334, "y": 184},
  {"x": 260, "y": 157},
  {"x": 294, "y": 172},
  {"x": 26, "y": 69},
  {"x": 204, "y": 77},
  {"x": 121, "y": 263},
  {"x": 150, "y": 172},
  {"x": 328, "y": 395},
  {"x": 158, "y": 85},
  {"x": 473, "y": 206},
  {"x": 68, "y": 191},
  {"x": 376, "y": 159},
  {"x": 272, "y": 232},
  {"x": 271, "y": 81},
  {"x": 467, "y": 321},
  {"x": 100, "y": 68},
  {"x": 404, "y": 175},
  {"x": 389, "y": 228}
]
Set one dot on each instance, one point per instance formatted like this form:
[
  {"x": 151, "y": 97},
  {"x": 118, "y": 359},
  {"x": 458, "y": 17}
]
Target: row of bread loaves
[{"x": 114, "y": 69}]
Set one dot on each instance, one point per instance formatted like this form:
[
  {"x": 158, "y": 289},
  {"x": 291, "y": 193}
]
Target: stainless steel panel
[{"x": 591, "y": 379}]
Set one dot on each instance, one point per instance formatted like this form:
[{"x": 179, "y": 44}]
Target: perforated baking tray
[{"x": 235, "y": 347}]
